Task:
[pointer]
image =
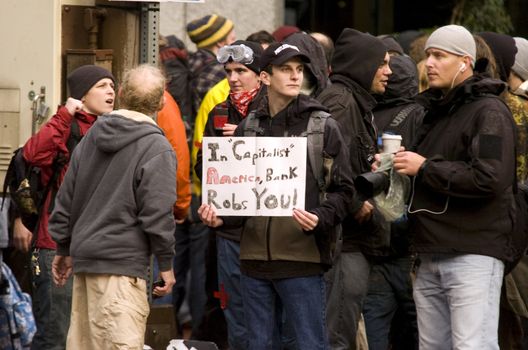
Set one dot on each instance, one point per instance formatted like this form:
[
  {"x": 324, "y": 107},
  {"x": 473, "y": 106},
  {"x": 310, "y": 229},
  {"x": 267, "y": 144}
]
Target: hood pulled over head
[
  {"x": 403, "y": 82},
  {"x": 318, "y": 65},
  {"x": 357, "y": 56}
]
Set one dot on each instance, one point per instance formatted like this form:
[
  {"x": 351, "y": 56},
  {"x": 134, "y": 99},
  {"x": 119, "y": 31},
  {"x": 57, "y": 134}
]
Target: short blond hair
[{"x": 142, "y": 89}]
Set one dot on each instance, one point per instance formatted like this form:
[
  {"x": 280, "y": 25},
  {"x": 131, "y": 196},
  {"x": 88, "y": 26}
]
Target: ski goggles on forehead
[{"x": 238, "y": 53}]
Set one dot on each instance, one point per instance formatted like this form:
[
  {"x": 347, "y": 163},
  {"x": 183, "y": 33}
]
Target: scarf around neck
[{"x": 242, "y": 99}]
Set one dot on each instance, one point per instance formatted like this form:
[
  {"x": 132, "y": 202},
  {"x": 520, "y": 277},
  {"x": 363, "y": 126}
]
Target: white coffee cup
[{"x": 391, "y": 143}]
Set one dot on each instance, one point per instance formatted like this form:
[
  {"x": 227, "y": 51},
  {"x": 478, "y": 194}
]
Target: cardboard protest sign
[{"x": 254, "y": 176}]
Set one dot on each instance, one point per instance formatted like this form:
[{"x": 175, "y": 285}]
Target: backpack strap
[
  {"x": 403, "y": 114},
  {"x": 58, "y": 163},
  {"x": 315, "y": 141},
  {"x": 11, "y": 175},
  {"x": 252, "y": 127},
  {"x": 315, "y": 135},
  {"x": 75, "y": 136}
]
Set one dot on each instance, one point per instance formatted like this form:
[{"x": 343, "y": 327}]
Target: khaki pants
[{"x": 108, "y": 312}]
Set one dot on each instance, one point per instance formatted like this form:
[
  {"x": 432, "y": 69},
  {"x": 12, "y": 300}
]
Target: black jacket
[
  {"x": 276, "y": 247},
  {"x": 468, "y": 139},
  {"x": 356, "y": 59},
  {"x": 398, "y": 113}
]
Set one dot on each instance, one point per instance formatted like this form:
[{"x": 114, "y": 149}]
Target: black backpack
[
  {"x": 180, "y": 80},
  {"x": 175, "y": 60},
  {"x": 24, "y": 183}
]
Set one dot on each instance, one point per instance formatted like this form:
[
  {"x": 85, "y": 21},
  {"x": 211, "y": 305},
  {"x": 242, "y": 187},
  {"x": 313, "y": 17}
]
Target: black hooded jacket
[
  {"x": 468, "y": 139},
  {"x": 398, "y": 113},
  {"x": 356, "y": 60},
  {"x": 399, "y": 95}
]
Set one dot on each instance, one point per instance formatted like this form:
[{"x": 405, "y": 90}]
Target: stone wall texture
[{"x": 248, "y": 16}]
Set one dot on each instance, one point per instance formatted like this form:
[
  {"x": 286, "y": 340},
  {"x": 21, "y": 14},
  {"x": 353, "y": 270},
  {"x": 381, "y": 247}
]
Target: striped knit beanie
[{"x": 209, "y": 30}]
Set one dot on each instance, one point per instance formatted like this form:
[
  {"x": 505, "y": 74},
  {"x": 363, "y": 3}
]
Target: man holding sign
[{"x": 283, "y": 257}]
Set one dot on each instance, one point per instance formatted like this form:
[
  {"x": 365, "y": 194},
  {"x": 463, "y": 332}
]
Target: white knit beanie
[
  {"x": 520, "y": 67},
  {"x": 454, "y": 39}
]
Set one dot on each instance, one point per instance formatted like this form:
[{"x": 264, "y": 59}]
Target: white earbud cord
[
  {"x": 456, "y": 75},
  {"x": 424, "y": 210}
]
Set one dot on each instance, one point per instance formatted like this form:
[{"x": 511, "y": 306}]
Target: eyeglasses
[{"x": 238, "y": 53}]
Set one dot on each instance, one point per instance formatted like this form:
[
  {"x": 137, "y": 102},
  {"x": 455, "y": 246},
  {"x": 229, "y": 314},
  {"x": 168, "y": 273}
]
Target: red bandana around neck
[{"x": 242, "y": 99}]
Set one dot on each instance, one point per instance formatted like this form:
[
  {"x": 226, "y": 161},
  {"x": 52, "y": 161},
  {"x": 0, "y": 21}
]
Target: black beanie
[
  {"x": 83, "y": 78},
  {"x": 504, "y": 49}
]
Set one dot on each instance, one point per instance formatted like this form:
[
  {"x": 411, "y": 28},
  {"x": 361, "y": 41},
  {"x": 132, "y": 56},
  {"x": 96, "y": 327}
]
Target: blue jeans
[
  {"x": 191, "y": 244},
  {"x": 228, "y": 264},
  {"x": 390, "y": 289},
  {"x": 347, "y": 285},
  {"x": 303, "y": 301},
  {"x": 457, "y": 301},
  {"x": 228, "y": 253},
  {"x": 51, "y": 305}
]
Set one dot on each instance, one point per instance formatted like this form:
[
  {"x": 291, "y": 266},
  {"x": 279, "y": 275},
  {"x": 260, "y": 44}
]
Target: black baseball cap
[{"x": 278, "y": 53}]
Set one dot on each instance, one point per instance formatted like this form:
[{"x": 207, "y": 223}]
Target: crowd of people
[{"x": 336, "y": 274}]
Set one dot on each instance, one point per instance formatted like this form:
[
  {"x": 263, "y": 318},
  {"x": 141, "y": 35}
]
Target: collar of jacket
[
  {"x": 472, "y": 88},
  {"x": 296, "y": 111},
  {"x": 262, "y": 109},
  {"x": 135, "y": 116},
  {"x": 85, "y": 116},
  {"x": 364, "y": 99}
]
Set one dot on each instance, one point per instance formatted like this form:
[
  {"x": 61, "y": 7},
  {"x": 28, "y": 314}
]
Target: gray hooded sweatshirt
[{"x": 114, "y": 207}]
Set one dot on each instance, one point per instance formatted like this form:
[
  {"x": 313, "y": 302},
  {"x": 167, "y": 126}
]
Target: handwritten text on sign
[{"x": 254, "y": 176}]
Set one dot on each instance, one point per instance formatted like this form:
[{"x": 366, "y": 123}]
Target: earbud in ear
[{"x": 462, "y": 67}]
